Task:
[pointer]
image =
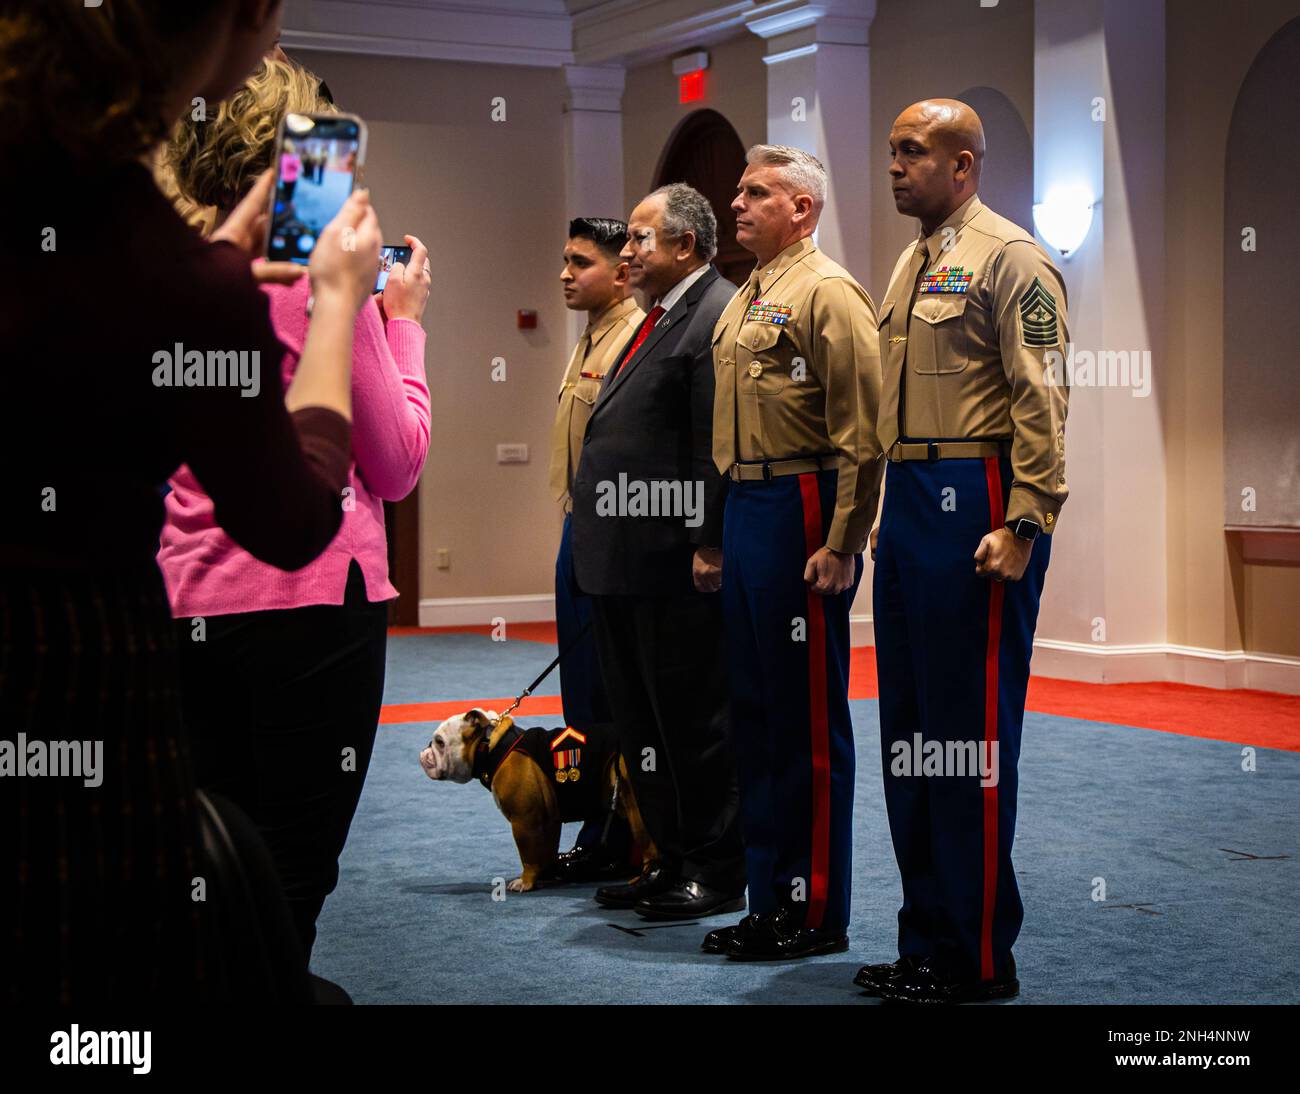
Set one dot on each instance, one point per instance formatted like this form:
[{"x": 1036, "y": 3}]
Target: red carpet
[
  {"x": 528, "y": 632},
  {"x": 1262, "y": 718}
]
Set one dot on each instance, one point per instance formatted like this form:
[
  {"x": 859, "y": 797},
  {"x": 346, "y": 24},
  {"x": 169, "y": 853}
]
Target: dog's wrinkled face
[{"x": 450, "y": 755}]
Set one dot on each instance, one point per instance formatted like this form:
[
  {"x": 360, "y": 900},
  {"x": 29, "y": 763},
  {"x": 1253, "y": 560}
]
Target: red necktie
[{"x": 656, "y": 313}]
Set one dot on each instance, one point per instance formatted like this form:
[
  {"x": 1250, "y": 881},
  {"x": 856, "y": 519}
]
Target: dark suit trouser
[{"x": 664, "y": 666}]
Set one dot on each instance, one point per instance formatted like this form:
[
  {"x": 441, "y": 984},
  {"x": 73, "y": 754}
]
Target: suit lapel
[
  {"x": 665, "y": 324},
  {"x": 680, "y": 311}
]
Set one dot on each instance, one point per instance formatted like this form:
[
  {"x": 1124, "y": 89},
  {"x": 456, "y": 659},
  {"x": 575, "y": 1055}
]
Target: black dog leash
[{"x": 549, "y": 668}]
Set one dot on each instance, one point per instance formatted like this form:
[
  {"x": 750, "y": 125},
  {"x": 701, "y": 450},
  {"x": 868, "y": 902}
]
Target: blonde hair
[
  {"x": 202, "y": 218},
  {"x": 214, "y": 162}
]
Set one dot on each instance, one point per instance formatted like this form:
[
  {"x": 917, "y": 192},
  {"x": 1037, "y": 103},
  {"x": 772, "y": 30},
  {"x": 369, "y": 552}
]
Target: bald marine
[{"x": 936, "y": 151}]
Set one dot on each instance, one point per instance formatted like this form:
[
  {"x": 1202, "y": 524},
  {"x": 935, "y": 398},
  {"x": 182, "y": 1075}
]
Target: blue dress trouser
[
  {"x": 788, "y": 669},
  {"x": 581, "y": 689},
  {"x": 952, "y": 655}
]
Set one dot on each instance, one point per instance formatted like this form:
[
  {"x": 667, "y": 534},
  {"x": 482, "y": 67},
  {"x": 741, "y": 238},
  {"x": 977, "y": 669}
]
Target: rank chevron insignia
[
  {"x": 569, "y": 733},
  {"x": 1038, "y": 316}
]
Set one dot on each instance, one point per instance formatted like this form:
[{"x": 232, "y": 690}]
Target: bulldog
[{"x": 539, "y": 778}]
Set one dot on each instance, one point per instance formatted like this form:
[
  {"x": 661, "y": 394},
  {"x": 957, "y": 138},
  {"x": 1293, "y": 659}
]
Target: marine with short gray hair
[{"x": 797, "y": 364}]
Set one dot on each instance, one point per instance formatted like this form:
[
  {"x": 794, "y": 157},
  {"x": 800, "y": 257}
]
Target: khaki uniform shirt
[
  {"x": 596, "y": 351},
  {"x": 798, "y": 374},
  {"x": 970, "y": 313}
]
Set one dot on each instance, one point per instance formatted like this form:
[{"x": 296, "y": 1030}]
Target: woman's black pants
[{"x": 281, "y": 708}]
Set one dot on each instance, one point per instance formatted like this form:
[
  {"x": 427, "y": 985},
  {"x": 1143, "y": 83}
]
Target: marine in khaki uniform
[
  {"x": 609, "y": 327},
  {"x": 798, "y": 385},
  {"x": 595, "y": 280},
  {"x": 974, "y": 432}
]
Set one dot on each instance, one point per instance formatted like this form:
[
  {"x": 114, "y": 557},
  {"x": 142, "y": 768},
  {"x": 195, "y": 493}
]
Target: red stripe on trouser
[
  {"x": 996, "y": 520},
  {"x": 818, "y": 722}
]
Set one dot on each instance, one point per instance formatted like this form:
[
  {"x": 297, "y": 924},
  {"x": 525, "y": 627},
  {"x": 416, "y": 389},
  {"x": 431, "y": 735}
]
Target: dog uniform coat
[{"x": 574, "y": 761}]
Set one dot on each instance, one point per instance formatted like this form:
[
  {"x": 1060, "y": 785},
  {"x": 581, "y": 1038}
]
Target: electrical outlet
[
  {"x": 444, "y": 558},
  {"x": 512, "y": 453}
]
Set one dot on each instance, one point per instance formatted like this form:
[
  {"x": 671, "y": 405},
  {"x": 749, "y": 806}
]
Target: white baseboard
[
  {"x": 473, "y": 611},
  {"x": 862, "y": 632},
  {"x": 1178, "y": 664},
  {"x": 1102, "y": 664}
]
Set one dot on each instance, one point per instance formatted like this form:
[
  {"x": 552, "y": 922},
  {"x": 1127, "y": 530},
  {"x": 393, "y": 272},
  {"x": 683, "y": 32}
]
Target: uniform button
[
  {"x": 1049, "y": 518},
  {"x": 756, "y": 370}
]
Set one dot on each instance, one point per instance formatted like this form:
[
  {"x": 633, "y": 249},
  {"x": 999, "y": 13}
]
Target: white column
[
  {"x": 593, "y": 150},
  {"x": 1099, "y": 77},
  {"x": 818, "y": 99}
]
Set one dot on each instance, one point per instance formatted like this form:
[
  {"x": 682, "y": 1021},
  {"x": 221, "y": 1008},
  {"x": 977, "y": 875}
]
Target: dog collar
[{"x": 488, "y": 758}]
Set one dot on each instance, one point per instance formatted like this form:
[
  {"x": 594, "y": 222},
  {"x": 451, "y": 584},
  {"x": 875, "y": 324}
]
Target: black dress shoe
[
  {"x": 655, "y": 878},
  {"x": 780, "y": 937},
  {"x": 872, "y": 978},
  {"x": 588, "y": 864},
  {"x": 933, "y": 984},
  {"x": 689, "y": 900},
  {"x": 716, "y": 941}
]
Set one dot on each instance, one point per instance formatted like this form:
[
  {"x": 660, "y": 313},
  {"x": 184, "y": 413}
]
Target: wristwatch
[{"x": 1025, "y": 528}]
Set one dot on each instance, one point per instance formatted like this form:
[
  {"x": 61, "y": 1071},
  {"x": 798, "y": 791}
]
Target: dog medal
[{"x": 567, "y": 759}]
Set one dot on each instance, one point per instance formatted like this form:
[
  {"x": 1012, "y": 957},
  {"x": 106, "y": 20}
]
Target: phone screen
[
  {"x": 316, "y": 168},
  {"x": 389, "y": 256}
]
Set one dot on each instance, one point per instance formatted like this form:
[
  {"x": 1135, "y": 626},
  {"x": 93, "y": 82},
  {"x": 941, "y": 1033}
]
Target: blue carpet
[
  {"x": 413, "y": 919},
  {"x": 430, "y": 668}
]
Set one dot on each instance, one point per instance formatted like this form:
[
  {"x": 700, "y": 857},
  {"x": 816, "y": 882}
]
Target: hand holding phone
[
  {"x": 389, "y": 255},
  {"x": 407, "y": 290},
  {"x": 316, "y": 161},
  {"x": 245, "y": 228},
  {"x": 343, "y": 261}
]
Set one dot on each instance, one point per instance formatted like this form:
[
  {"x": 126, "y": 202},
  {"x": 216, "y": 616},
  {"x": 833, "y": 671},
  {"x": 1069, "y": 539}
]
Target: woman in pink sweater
[{"x": 283, "y": 673}]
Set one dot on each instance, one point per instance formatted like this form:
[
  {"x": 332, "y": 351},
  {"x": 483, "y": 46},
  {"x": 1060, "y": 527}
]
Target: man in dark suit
[{"x": 647, "y": 537}]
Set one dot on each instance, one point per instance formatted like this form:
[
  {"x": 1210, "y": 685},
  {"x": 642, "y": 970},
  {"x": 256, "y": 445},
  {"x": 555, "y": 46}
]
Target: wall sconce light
[{"x": 1065, "y": 215}]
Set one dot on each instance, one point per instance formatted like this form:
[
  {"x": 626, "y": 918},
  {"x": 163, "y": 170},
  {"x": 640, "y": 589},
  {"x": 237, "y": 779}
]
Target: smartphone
[
  {"x": 389, "y": 256},
  {"x": 316, "y": 162}
]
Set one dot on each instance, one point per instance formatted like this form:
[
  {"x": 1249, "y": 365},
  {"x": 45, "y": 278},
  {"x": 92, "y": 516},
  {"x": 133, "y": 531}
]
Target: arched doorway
[
  {"x": 1261, "y": 239},
  {"x": 1007, "y": 181},
  {"x": 705, "y": 152}
]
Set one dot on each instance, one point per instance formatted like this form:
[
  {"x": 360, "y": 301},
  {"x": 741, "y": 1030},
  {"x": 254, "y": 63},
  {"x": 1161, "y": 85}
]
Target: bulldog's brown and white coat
[{"x": 522, "y": 790}]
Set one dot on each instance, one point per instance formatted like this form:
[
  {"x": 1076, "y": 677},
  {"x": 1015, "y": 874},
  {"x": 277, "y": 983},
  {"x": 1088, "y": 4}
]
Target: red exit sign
[{"x": 690, "y": 86}]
